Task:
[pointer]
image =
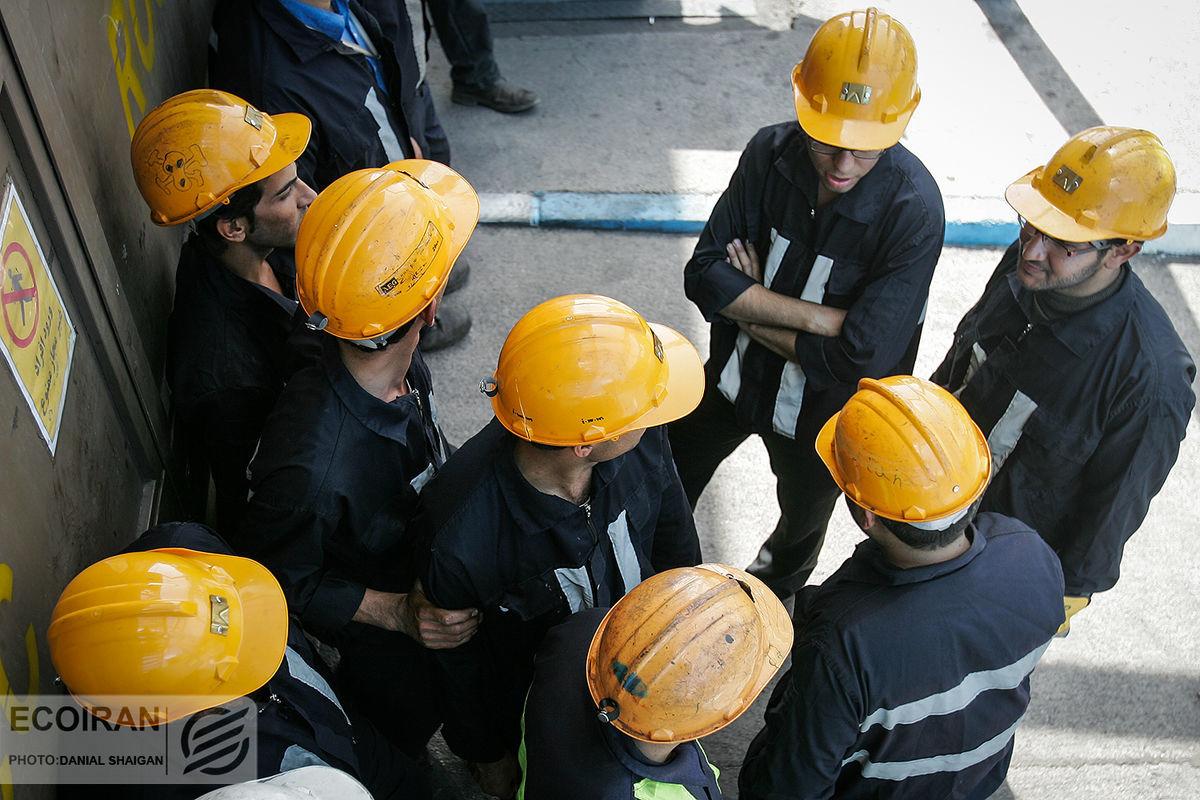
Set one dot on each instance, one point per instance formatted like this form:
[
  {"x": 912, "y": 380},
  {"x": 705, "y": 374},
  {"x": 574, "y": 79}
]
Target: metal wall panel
[{"x": 75, "y": 77}]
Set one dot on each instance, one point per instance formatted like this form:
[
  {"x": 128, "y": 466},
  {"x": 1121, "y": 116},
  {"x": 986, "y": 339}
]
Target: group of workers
[{"x": 538, "y": 593}]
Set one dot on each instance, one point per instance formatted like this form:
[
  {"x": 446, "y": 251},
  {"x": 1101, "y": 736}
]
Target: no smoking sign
[{"x": 37, "y": 337}]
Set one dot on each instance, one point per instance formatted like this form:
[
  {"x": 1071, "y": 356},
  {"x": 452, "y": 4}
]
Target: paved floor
[
  {"x": 630, "y": 106},
  {"x": 1115, "y": 704}
]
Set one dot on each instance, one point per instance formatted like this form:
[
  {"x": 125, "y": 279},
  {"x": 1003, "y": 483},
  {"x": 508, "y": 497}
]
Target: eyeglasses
[
  {"x": 1066, "y": 249},
  {"x": 823, "y": 149}
]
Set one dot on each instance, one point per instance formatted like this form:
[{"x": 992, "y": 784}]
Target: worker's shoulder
[
  {"x": 1149, "y": 351},
  {"x": 782, "y": 139},
  {"x": 467, "y": 479},
  {"x": 1147, "y": 312}
]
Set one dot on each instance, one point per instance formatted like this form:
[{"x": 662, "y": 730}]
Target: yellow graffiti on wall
[
  {"x": 7, "y": 693},
  {"x": 130, "y": 28}
]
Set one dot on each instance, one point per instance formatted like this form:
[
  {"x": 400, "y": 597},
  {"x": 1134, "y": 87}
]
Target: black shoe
[
  {"x": 458, "y": 275},
  {"x": 450, "y": 326},
  {"x": 501, "y": 97}
]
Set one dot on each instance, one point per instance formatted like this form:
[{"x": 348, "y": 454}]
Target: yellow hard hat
[
  {"x": 1104, "y": 183},
  {"x": 583, "y": 368},
  {"x": 686, "y": 651},
  {"x": 200, "y": 628},
  {"x": 857, "y": 85},
  {"x": 377, "y": 245},
  {"x": 190, "y": 153},
  {"x": 907, "y": 450}
]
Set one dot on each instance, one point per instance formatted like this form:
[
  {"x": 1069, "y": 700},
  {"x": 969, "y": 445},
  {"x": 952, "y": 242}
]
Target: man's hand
[
  {"x": 436, "y": 628},
  {"x": 745, "y": 257},
  {"x": 1071, "y": 607},
  {"x": 498, "y": 778},
  {"x": 413, "y": 615}
]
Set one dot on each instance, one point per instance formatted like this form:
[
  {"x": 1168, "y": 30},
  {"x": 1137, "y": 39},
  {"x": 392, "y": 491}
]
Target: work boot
[
  {"x": 449, "y": 327},
  {"x": 500, "y": 97},
  {"x": 458, "y": 275}
]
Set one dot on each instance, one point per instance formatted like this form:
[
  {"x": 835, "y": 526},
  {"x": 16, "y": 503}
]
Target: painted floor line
[{"x": 970, "y": 221}]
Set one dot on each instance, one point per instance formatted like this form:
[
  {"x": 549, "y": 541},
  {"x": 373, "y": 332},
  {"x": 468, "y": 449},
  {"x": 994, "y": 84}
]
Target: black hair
[
  {"x": 541, "y": 446},
  {"x": 241, "y": 204},
  {"x": 919, "y": 539},
  {"x": 392, "y": 337}
]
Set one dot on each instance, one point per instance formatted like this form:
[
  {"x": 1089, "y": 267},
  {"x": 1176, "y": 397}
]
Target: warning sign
[{"x": 37, "y": 337}]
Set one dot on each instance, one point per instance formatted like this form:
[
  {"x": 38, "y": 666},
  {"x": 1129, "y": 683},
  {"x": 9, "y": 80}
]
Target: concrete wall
[{"x": 75, "y": 78}]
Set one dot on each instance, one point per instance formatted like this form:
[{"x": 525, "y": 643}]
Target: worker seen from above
[
  {"x": 910, "y": 670},
  {"x": 565, "y": 501},
  {"x": 814, "y": 271},
  {"x": 620, "y": 700},
  {"x": 354, "y": 438},
  {"x": 236, "y": 332},
  {"x": 1069, "y": 363}
]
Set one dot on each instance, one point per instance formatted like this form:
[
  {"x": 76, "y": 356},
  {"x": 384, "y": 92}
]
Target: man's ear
[
  {"x": 583, "y": 450},
  {"x": 1121, "y": 253},
  {"x": 233, "y": 230},
  {"x": 429, "y": 313},
  {"x": 863, "y": 518}
]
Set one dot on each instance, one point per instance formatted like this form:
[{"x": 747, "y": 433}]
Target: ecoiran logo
[{"x": 50, "y": 739}]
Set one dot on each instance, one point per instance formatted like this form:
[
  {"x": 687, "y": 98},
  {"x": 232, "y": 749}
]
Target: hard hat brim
[
  {"x": 1045, "y": 216},
  {"x": 458, "y": 194},
  {"x": 685, "y": 380},
  {"x": 265, "y": 619},
  {"x": 292, "y": 132},
  {"x": 824, "y": 445}
]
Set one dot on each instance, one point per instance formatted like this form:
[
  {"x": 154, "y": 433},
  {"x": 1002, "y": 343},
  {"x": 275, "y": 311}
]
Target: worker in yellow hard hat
[
  {"x": 566, "y": 500},
  {"x": 620, "y": 699},
  {"x": 1070, "y": 364},
  {"x": 358, "y": 72},
  {"x": 178, "y": 625},
  {"x": 814, "y": 270},
  {"x": 212, "y": 160},
  {"x": 911, "y": 664},
  {"x": 353, "y": 439}
]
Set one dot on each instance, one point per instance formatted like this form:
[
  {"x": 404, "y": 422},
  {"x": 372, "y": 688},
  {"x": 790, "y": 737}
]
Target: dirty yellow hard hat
[
  {"x": 377, "y": 245},
  {"x": 197, "y": 628},
  {"x": 193, "y": 151},
  {"x": 583, "y": 368},
  {"x": 906, "y": 449},
  {"x": 857, "y": 85},
  {"x": 686, "y": 651},
  {"x": 1104, "y": 183}
]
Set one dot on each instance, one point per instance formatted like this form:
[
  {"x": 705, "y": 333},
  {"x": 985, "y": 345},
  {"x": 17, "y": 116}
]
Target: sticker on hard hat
[
  {"x": 254, "y": 117},
  {"x": 629, "y": 680},
  {"x": 219, "y": 615},
  {"x": 855, "y": 93},
  {"x": 1067, "y": 179},
  {"x": 413, "y": 268},
  {"x": 178, "y": 170}
]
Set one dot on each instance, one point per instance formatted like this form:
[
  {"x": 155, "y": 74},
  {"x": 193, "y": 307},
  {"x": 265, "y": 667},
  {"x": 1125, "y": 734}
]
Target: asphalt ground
[
  {"x": 1115, "y": 705},
  {"x": 634, "y": 107}
]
